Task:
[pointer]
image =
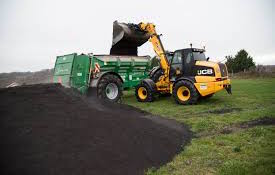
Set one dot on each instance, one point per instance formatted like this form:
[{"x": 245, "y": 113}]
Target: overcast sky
[{"x": 34, "y": 32}]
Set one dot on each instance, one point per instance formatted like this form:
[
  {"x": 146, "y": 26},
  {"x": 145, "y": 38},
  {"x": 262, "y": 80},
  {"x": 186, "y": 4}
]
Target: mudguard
[
  {"x": 95, "y": 80},
  {"x": 191, "y": 79}
]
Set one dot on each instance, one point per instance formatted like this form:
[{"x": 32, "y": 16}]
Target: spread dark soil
[
  {"x": 263, "y": 121},
  {"x": 224, "y": 110},
  {"x": 258, "y": 122},
  {"x": 46, "y": 129}
]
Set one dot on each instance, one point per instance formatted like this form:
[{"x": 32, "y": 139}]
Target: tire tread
[
  {"x": 109, "y": 78},
  {"x": 194, "y": 95}
]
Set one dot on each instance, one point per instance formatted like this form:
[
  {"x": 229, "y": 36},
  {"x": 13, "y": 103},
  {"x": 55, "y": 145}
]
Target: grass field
[{"x": 220, "y": 144}]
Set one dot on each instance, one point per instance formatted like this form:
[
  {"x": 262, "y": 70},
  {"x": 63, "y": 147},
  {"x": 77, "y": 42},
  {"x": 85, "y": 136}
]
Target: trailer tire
[
  {"x": 109, "y": 88},
  {"x": 184, "y": 92}
]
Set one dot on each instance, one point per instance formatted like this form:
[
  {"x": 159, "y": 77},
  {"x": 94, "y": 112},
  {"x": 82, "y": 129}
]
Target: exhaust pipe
[{"x": 127, "y": 38}]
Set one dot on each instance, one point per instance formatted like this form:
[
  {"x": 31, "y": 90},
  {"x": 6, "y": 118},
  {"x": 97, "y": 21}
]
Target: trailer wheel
[
  {"x": 184, "y": 92},
  {"x": 109, "y": 88},
  {"x": 144, "y": 93}
]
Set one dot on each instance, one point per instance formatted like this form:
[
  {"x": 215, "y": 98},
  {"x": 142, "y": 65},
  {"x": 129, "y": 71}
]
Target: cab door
[
  {"x": 188, "y": 63},
  {"x": 176, "y": 65}
]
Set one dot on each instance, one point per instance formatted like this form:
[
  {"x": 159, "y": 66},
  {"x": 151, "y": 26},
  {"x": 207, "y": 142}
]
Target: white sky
[{"x": 34, "y": 32}]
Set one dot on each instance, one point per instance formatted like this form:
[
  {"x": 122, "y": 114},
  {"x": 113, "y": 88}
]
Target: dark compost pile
[{"x": 47, "y": 129}]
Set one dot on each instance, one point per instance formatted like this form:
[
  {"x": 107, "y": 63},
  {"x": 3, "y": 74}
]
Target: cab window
[
  {"x": 188, "y": 58},
  {"x": 169, "y": 57},
  {"x": 177, "y": 58},
  {"x": 199, "y": 56}
]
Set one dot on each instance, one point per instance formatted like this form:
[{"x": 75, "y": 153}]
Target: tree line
[{"x": 240, "y": 62}]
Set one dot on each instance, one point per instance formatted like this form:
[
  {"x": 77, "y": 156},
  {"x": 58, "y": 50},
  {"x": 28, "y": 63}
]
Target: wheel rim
[
  {"x": 142, "y": 93},
  {"x": 183, "y": 93},
  {"x": 111, "y": 91}
]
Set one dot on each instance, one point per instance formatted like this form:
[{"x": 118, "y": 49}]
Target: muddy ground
[
  {"x": 46, "y": 129},
  {"x": 263, "y": 121}
]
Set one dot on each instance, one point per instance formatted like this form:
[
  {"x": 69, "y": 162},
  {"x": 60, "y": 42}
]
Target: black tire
[
  {"x": 107, "y": 84},
  {"x": 156, "y": 75},
  {"x": 184, "y": 92},
  {"x": 147, "y": 91}
]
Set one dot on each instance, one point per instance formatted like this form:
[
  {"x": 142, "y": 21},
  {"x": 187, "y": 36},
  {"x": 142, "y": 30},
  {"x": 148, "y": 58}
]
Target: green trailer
[{"x": 107, "y": 75}]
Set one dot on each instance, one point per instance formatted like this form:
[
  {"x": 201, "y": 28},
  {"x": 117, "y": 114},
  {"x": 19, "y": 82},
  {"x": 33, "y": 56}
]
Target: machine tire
[
  {"x": 109, "y": 88},
  {"x": 155, "y": 78},
  {"x": 144, "y": 93},
  {"x": 156, "y": 75},
  {"x": 184, "y": 92}
]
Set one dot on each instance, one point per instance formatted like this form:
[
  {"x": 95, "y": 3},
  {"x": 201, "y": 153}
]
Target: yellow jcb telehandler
[{"x": 188, "y": 75}]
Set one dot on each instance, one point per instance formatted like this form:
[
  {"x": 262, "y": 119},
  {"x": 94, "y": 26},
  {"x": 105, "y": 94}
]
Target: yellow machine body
[
  {"x": 209, "y": 85},
  {"x": 185, "y": 81}
]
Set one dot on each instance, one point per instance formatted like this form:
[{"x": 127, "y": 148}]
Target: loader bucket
[{"x": 127, "y": 38}]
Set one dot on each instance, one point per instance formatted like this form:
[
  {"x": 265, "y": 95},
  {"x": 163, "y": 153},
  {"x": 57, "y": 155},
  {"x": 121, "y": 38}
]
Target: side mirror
[{"x": 207, "y": 58}]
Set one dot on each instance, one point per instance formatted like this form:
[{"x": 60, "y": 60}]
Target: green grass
[{"x": 246, "y": 151}]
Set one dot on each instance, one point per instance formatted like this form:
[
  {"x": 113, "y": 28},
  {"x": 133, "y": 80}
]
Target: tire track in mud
[{"x": 263, "y": 121}]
